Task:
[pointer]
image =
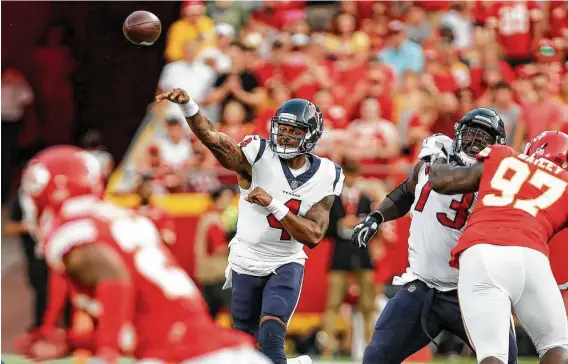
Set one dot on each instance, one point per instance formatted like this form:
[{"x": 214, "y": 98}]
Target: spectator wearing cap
[
  {"x": 510, "y": 112},
  {"x": 401, "y": 53},
  {"x": 194, "y": 25},
  {"x": 217, "y": 57},
  {"x": 239, "y": 84},
  {"x": 233, "y": 13}
]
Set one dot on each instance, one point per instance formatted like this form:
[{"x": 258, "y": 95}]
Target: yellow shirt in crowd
[{"x": 183, "y": 31}]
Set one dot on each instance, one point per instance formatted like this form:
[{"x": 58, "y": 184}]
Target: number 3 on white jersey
[{"x": 509, "y": 187}]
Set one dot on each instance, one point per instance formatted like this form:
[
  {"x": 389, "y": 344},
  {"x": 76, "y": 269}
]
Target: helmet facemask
[
  {"x": 469, "y": 141},
  {"x": 287, "y": 151}
]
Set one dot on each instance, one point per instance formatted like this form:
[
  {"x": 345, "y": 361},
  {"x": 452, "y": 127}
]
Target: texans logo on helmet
[{"x": 312, "y": 110}]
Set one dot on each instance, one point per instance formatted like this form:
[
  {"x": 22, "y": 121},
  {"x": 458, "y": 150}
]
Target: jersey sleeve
[
  {"x": 253, "y": 148},
  {"x": 339, "y": 178},
  {"x": 67, "y": 237}
]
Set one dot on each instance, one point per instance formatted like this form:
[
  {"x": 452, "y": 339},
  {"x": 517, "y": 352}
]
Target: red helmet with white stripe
[
  {"x": 56, "y": 175},
  {"x": 551, "y": 145}
]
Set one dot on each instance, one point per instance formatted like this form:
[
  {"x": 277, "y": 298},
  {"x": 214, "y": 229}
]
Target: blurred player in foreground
[
  {"x": 428, "y": 302},
  {"x": 503, "y": 253},
  {"x": 115, "y": 259},
  {"x": 286, "y": 195}
]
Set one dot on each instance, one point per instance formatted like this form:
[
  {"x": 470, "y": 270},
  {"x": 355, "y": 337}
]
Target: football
[{"x": 142, "y": 28}]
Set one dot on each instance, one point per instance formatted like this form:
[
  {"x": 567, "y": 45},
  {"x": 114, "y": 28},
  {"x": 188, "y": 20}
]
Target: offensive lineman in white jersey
[
  {"x": 286, "y": 196},
  {"x": 428, "y": 302}
]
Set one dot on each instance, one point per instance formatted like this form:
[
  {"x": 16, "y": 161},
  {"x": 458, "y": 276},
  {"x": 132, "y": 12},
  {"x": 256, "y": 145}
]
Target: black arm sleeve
[
  {"x": 335, "y": 214},
  {"x": 402, "y": 197}
]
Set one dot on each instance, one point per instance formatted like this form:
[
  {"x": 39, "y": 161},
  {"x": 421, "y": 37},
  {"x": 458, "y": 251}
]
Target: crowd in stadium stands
[{"x": 385, "y": 75}]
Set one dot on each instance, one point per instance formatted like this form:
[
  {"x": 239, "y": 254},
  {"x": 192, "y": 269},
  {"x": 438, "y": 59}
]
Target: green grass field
[{"x": 14, "y": 359}]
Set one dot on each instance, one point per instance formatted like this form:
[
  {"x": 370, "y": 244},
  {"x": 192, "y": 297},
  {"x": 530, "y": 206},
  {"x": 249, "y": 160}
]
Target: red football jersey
[
  {"x": 170, "y": 320},
  {"x": 513, "y": 19},
  {"x": 522, "y": 201}
]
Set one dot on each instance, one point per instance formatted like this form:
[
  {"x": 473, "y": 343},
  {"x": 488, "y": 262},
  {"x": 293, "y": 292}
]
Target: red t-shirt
[
  {"x": 528, "y": 218},
  {"x": 513, "y": 19},
  {"x": 558, "y": 19},
  {"x": 216, "y": 239},
  {"x": 541, "y": 116}
]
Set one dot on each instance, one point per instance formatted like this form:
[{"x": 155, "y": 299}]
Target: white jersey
[
  {"x": 437, "y": 223},
  {"x": 261, "y": 244}
]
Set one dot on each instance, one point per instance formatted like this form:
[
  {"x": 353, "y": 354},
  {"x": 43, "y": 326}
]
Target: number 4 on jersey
[{"x": 294, "y": 206}]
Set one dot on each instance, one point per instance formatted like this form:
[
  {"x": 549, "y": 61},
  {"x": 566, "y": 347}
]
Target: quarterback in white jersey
[
  {"x": 286, "y": 195},
  {"x": 427, "y": 302}
]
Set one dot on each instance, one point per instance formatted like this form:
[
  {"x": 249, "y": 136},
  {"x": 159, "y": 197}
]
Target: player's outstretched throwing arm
[
  {"x": 307, "y": 230},
  {"x": 397, "y": 204},
  {"x": 450, "y": 180},
  {"x": 220, "y": 144}
]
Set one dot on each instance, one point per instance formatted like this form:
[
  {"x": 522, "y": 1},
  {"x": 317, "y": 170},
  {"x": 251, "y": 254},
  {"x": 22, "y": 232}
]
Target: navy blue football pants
[
  {"x": 274, "y": 295},
  {"x": 412, "y": 318}
]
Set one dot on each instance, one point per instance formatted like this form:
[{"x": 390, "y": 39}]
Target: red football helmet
[
  {"x": 56, "y": 175},
  {"x": 551, "y": 145}
]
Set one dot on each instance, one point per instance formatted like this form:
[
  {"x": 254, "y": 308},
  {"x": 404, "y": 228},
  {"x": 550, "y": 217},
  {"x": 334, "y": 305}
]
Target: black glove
[{"x": 366, "y": 229}]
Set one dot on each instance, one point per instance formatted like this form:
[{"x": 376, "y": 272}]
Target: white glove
[{"x": 434, "y": 147}]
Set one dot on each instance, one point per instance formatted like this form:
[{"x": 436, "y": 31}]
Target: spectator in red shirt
[
  {"x": 558, "y": 22},
  {"x": 441, "y": 73},
  {"x": 489, "y": 62},
  {"x": 545, "y": 113},
  {"x": 306, "y": 67},
  {"x": 212, "y": 251},
  {"x": 374, "y": 140},
  {"x": 519, "y": 27}
]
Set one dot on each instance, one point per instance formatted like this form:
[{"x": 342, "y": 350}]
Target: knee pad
[{"x": 271, "y": 335}]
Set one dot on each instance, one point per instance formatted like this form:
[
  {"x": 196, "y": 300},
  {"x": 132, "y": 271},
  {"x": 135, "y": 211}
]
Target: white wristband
[
  {"x": 189, "y": 109},
  {"x": 278, "y": 209}
]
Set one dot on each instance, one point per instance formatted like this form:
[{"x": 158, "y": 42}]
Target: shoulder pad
[
  {"x": 435, "y": 143},
  {"x": 66, "y": 237},
  {"x": 253, "y": 147}
]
